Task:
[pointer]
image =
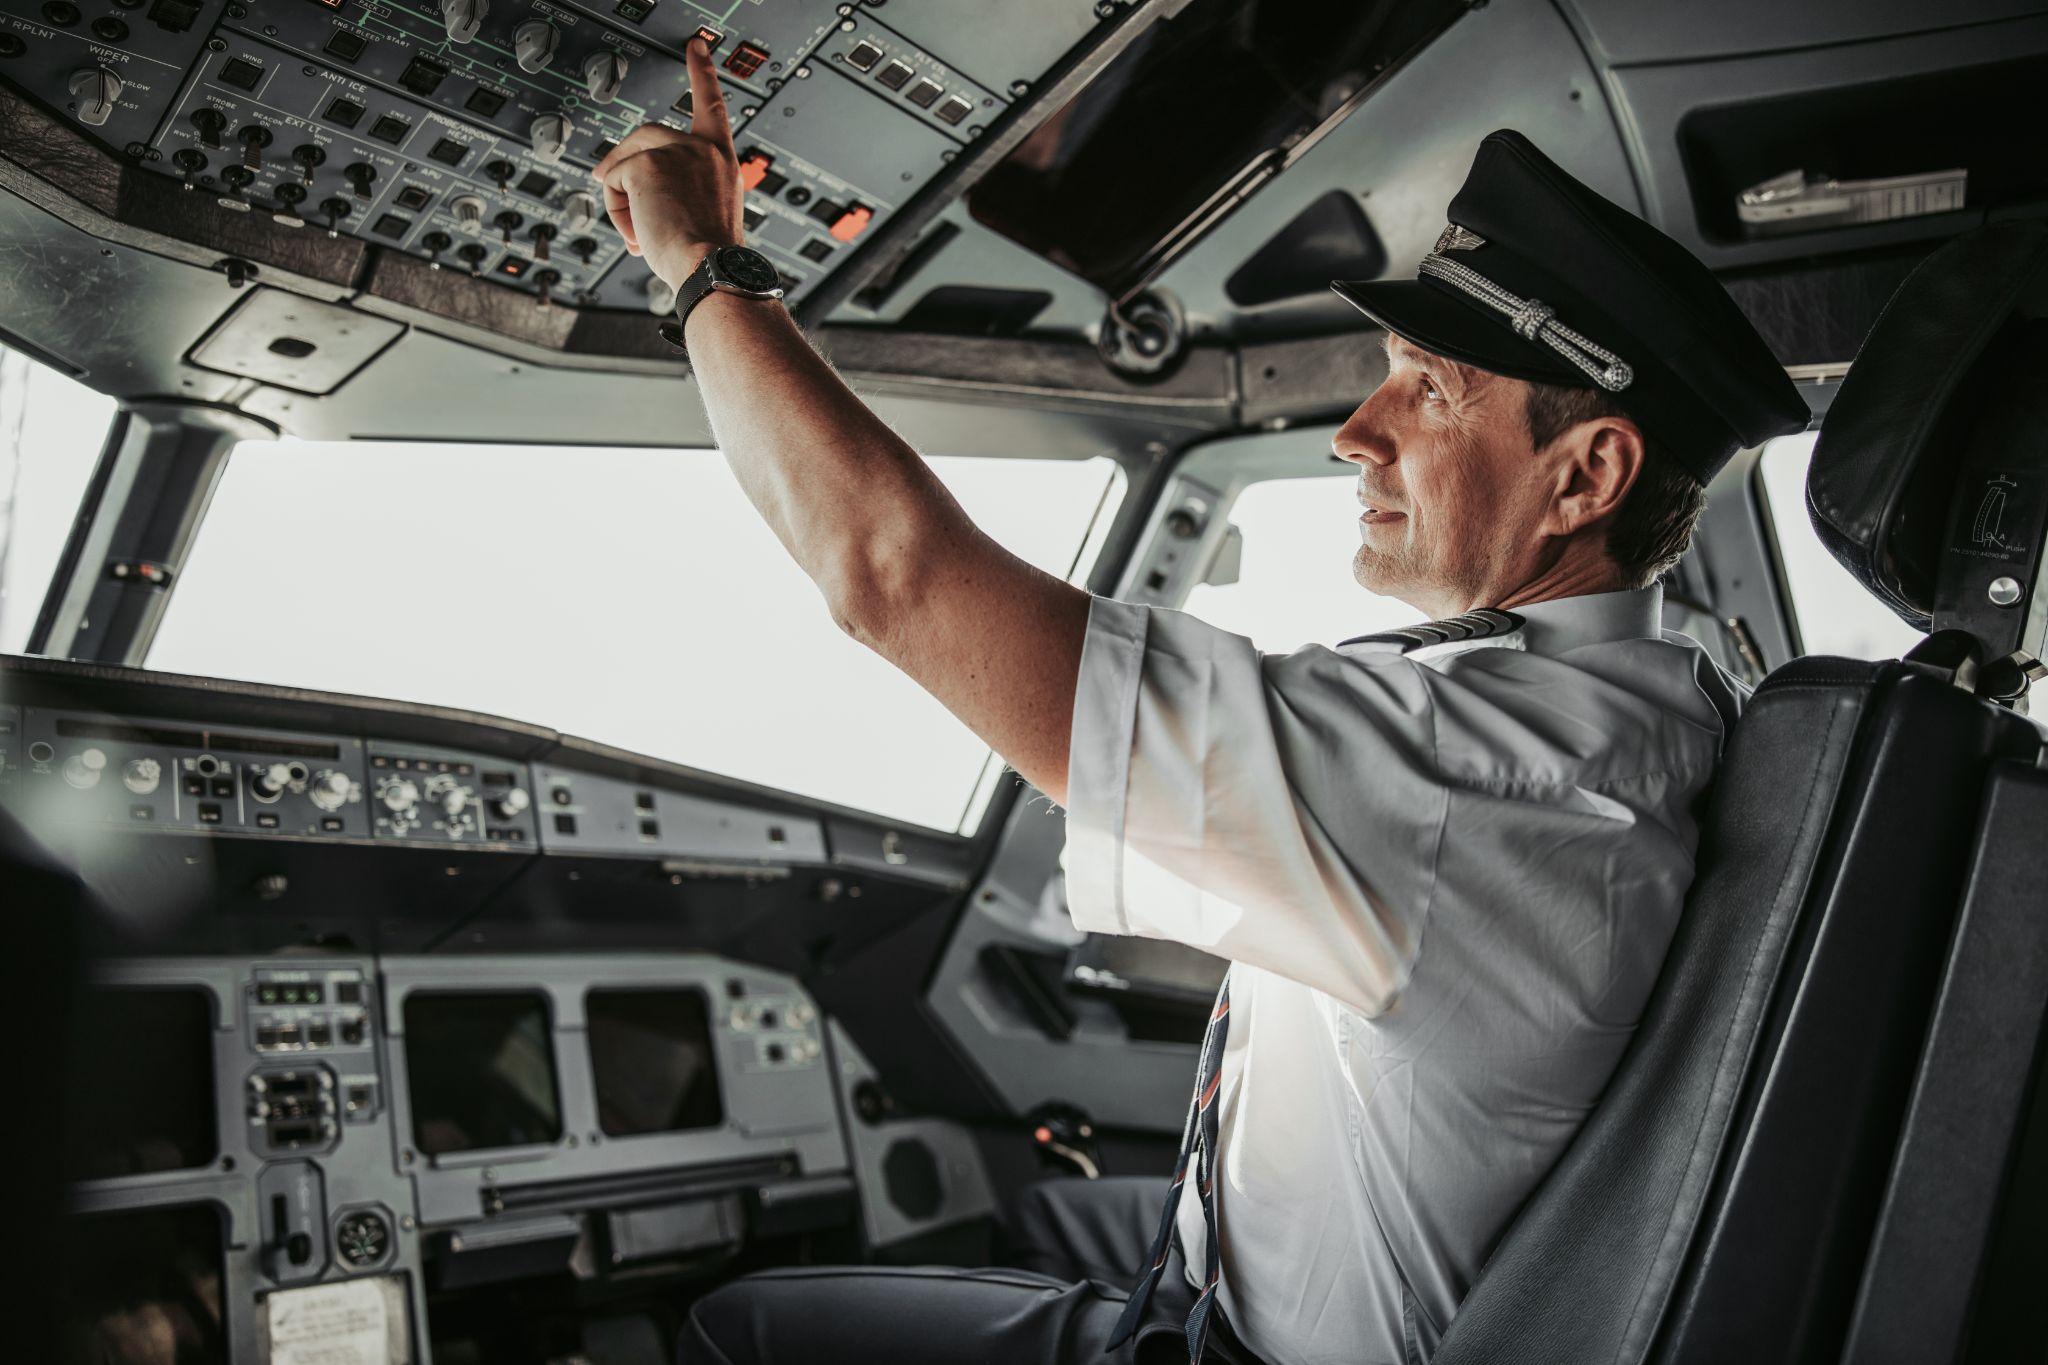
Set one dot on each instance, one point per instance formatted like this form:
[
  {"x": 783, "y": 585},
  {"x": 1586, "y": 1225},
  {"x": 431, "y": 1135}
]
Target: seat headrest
[{"x": 1951, "y": 368}]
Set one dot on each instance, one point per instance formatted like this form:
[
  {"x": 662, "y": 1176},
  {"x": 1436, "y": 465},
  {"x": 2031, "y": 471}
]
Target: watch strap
[{"x": 688, "y": 295}]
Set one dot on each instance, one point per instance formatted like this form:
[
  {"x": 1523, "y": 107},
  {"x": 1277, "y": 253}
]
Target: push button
[{"x": 852, "y": 222}]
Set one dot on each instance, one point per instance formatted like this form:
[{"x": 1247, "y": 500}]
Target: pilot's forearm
[
  {"x": 842, "y": 492},
  {"x": 901, "y": 566}
]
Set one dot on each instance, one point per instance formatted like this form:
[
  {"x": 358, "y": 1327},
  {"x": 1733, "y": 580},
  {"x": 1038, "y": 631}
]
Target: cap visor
[{"x": 1435, "y": 320}]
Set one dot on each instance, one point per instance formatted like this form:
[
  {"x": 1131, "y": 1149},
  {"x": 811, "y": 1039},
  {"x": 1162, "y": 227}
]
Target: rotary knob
[
  {"x": 512, "y": 804},
  {"x": 454, "y": 801},
  {"x": 580, "y": 209},
  {"x": 469, "y": 213},
  {"x": 399, "y": 795},
  {"x": 602, "y": 74},
  {"x": 550, "y": 136},
  {"x": 141, "y": 775},
  {"x": 269, "y": 784},
  {"x": 82, "y": 770},
  {"x": 534, "y": 43},
  {"x": 96, "y": 89},
  {"x": 462, "y": 18},
  {"x": 330, "y": 790}
]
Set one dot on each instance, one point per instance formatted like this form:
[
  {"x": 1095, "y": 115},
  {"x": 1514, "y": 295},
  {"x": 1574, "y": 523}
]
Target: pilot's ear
[{"x": 1598, "y": 463}]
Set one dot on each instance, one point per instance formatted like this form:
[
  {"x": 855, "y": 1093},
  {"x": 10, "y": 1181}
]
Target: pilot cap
[{"x": 1539, "y": 278}]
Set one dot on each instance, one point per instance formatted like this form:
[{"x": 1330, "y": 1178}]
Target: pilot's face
[{"x": 1451, "y": 495}]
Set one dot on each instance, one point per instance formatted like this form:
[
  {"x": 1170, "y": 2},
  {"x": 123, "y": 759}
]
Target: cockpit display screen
[
  {"x": 481, "y": 1070},
  {"x": 149, "y": 1108},
  {"x": 650, "y": 1052}
]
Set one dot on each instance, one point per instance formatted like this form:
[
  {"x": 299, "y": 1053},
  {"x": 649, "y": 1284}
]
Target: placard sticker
[{"x": 355, "y": 1322}]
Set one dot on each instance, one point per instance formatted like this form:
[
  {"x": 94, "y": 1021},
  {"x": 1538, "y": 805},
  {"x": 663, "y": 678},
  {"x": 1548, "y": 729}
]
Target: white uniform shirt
[{"x": 1447, "y": 881}]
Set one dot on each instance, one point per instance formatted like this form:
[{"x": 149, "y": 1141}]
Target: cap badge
[{"x": 1455, "y": 238}]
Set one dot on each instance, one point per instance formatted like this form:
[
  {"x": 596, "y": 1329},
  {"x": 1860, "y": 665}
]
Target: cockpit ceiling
[{"x": 1231, "y": 157}]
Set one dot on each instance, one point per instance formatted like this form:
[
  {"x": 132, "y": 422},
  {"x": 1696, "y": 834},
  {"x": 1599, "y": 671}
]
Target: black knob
[
  {"x": 360, "y": 174},
  {"x": 298, "y": 1248},
  {"x": 500, "y": 171},
  {"x": 585, "y": 248},
  {"x": 211, "y": 123}
]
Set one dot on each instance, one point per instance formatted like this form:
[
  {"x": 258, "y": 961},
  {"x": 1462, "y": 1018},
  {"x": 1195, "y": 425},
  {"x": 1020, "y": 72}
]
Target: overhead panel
[{"x": 463, "y": 131}]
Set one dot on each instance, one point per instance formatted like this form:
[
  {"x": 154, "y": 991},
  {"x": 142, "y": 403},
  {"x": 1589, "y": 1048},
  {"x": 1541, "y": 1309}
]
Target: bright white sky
[
  {"x": 61, "y": 424},
  {"x": 632, "y": 596},
  {"x": 1836, "y": 614}
]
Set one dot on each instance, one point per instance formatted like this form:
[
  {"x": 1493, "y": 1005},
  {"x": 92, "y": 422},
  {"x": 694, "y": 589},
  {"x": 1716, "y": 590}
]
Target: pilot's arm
[
  {"x": 1208, "y": 802},
  {"x": 902, "y": 568}
]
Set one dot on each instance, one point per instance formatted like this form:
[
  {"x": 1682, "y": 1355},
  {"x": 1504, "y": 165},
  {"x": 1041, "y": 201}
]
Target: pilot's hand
[{"x": 675, "y": 196}]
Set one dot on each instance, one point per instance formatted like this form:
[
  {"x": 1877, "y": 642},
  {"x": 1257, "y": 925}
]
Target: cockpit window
[
  {"x": 1293, "y": 585},
  {"x": 627, "y": 595},
  {"x": 51, "y": 430},
  {"x": 1835, "y": 614}
]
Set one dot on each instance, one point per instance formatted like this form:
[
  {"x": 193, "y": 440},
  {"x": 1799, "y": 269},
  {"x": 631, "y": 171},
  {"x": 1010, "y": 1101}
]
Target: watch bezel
[{"x": 722, "y": 281}]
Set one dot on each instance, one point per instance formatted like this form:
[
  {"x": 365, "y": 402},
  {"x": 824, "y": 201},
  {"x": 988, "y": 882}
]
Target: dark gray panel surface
[
  {"x": 1627, "y": 32},
  {"x": 1655, "y": 99},
  {"x": 769, "y": 1054}
]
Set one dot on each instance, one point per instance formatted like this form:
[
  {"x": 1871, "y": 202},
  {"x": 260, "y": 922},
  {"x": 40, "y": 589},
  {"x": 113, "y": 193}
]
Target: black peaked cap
[{"x": 1699, "y": 380}]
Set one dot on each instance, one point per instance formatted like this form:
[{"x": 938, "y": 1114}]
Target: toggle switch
[
  {"x": 211, "y": 123},
  {"x": 254, "y": 138}
]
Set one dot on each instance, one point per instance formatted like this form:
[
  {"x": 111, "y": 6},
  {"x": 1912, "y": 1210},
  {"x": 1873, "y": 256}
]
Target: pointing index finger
[{"x": 708, "y": 117}]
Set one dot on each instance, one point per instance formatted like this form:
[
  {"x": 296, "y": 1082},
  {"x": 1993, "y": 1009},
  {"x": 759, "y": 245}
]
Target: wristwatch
[{"x": 730, "y": 270}]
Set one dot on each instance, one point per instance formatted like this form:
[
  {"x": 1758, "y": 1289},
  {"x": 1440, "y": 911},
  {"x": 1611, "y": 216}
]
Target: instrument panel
[
  {"x": 461, "y": 131},
  {"x": 267, "y": 1136},
  {"x": 76, "y": 768}
]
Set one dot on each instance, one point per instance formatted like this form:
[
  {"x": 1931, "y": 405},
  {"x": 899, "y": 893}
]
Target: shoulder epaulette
[{"x": 1472, "y": 625}]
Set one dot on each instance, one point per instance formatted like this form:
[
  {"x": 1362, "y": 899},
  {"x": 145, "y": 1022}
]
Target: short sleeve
[{"x": 1283, "y": 811}]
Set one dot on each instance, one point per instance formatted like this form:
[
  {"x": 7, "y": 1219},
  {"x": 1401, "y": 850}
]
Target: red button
[
  {"x": 754, "y": 169},
  {"x": 852, "y": 223}
]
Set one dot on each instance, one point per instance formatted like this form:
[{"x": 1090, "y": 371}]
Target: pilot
[{"x": 1444, "y": 862}]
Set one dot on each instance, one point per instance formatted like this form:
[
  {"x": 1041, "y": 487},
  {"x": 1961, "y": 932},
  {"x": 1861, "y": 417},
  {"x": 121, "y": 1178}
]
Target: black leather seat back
[
  {"x": 1748, "y": 1128},
  {"x": 1720, "y": 1202}
]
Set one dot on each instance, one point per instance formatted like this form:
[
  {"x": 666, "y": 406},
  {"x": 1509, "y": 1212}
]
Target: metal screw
[
  {"x": 2003, "y": 592},
  {"x": 802, "y": 73}
]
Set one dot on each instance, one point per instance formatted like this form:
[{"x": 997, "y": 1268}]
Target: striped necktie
[{"x": 1197, "y": 1145}]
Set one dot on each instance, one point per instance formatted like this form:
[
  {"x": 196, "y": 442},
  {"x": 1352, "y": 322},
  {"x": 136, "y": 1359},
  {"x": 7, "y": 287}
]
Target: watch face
[{"x": 748, "y": 269}]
